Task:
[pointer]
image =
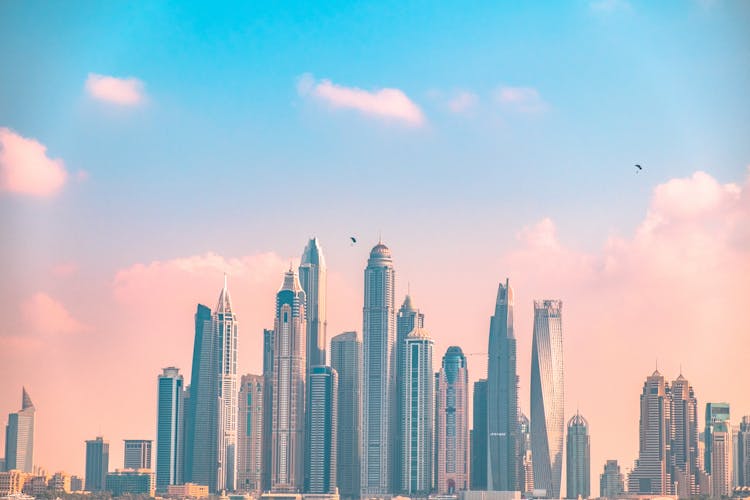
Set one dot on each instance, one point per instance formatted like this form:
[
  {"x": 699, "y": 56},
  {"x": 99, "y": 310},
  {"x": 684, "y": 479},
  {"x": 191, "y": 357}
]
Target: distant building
[
  {"x": 169, "y": 430},
  {"x": 478, "y": 476},
  {"x": 265, "y": 457},
  {"x": 76, "y": 483},
  {"x": 187, "y": 490},
  {"x": 312, "y": 277},
  {"x": 489, "y": 495},
  {"x": 526, "y": 474},
  {"x": 718, "y": 436},
  {"x": 250, "y": 433},
  {"x": 578, "y": 458},
  {"x": 12, "y": 481},
  {"x": 137, "y": 453},
  {"x": 683, "y": 448},
  {"x": 452, "y": 423},
  {"x": 19, "y": 436},
  {"x": 134, "y": 482},
  {"x": 743, "y": 453},
  {"x": 320, "y": 477},
  {"x": 35, "y": 485},
  {"x": 60, "y": 482},
  {"x": 97, "y": 464},
  {"x": 611, "y": 484}
]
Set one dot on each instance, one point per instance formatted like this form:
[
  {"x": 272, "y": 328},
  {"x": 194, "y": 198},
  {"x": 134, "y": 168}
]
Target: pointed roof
[
  {"x": 224, "y": 304},
  {"x": 26, "y": 400},
  {"x": 291, "y": 281},
  {"x": 578, "y": 420},
  {"x": 419, "y": 333},
  {"x": 408, "y": 304},
  {"x": 313, "y": 253},
  {"x": 504, "y": 293}
]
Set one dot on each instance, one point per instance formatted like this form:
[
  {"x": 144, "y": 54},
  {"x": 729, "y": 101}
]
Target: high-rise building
[
  {"x": 268, "y": 355},
  {"x": 137, "y": 453},
  {"x": 743, "y": 452},
  {"x": 478, "y": 475},
  {"x": 547, "y": 397},
  {"x": 407, "y": 319},
  {"x": 346, "y": 359},
  {"x": 651, "y": 476},
  {"x": 97, "y": 464},
  {"x": 312, "y": 277},
  {"x": 225, "y": 328},
  {"x": 417, "y": 422},
  {"x": 611, "y": 484},
  {"x": 452, "y": 423},
  {"x": 19, "y": 436},
  {"x": 502, "y": 396},
  {"x": 718, "y": 436},
  {"x": 322, "y": 449},
  {"x": 526, "y": 474},
  {"x": 288, "y": 413},
  {"x": 378, "y": 382},
  {"x": 169, "y": 430},
  {"x": 201, "y": 433},
  {"x": 684, "y": 471},
  {"x": 578, "y": 477},
  {"x": 250, "y": 434}
]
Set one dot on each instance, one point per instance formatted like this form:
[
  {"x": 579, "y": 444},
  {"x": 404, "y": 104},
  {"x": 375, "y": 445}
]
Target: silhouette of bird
[
  {"x": 638, "y": 167},
  {"x": 354, "y": 240}
]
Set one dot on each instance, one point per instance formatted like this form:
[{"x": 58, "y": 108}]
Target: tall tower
[
  {"x": 718, "y": 438},
  {"x": 169, "y": 430},
  {"x": 479, "y": 437},
  {"x": 578, "y": 458},
  {"x": 684, "y": 439},
  {"x": 137, "y": 452},
  {"x": 312, "y": 277},
  {"x": 268, "y": 357},
  {"x": 417, "y": 422},
  {"x": 611, "y": 484},
  {"x": 97, "y": 464},
  {"x": 19, "y": 436},
  {"x": 346, "y": 359},
  {"x": 452, "y": 423},
  {"x": 502, "y": 396},
  {"x": 225, "y": 330},
  {"x": 743, "y": 452},
  {"x": 288, "y": 426},
  {"x": 378, "y": 385},
  {"x": 407, "y": 319},
  {"x": 250, "y": 434},
  {"x": 547, "y": 398},
  {"x": 323, "y": 410},
  {"x": 651, "y": 473}
]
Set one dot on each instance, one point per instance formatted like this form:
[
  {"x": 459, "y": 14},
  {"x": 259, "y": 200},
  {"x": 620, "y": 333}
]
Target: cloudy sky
[{"x": 146, "y": 149}]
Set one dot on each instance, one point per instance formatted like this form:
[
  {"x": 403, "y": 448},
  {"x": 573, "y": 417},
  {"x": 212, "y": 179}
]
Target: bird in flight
[
  {"x": 354, "y": 240},
  {"x": 638, "y": 167}
]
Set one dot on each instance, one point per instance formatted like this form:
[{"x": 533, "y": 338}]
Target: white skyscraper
[
  {"x": 225, "y": 331},
  {"x": 547, "y": 397},
  {"x": 378, "y": 384}
]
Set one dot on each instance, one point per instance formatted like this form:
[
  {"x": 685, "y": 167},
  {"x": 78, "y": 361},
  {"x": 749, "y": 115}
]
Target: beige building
[
  {"x": 187, "y": 490},
  {"x": 12, "y": 482}
]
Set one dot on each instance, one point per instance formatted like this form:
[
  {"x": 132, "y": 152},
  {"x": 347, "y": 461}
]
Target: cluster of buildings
[{"x": 372, "y": 419}]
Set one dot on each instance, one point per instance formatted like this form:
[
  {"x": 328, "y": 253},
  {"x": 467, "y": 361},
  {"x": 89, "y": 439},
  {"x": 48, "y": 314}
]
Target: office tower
[
  {"x": 452, "y": 423},
  {"x": 502, "y": 396},
  {"x": 684, "y": 439},
  {"x": 716, "y": 413},
  {"x": 718, "y": 436},
  {"x": 169, "y": 430},
  {"x": 417, "y": 422},
  {"x": 201, "y": 433},
  {"x": 225, "y": 328},
  {"x": 378, "y": 383},
  {"x": 97, "y": 464},
  {"x": 407, "y": 319},
  {"x": 547, "y": 398},
  {"x": 346, "y": 359},
  {"x": 137, "y": 453},
  {"x": 288, "y": 428},
  {"x": 268, "y": 354},
  {"x": 322, "y": 449},
  {"x": 526, "y": 474},
  {"x": 651, "y": 473},
  {"x": 19, "y": 436},
  {"x": 478, "y": 475},
  {"x": 250, "y": 434},
  {"x": 611, "y": 484},
  {"x": 743, "y": 452},
  {"x": 578, "y": 477},
  {"x": 312, "y": 277}
]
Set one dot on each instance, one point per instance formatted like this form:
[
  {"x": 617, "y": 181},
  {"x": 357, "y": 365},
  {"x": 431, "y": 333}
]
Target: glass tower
[
  {"x": 169, "y": 430},
  {"x": 452, "y": 423},
  {"x": 19, "y": 436}
]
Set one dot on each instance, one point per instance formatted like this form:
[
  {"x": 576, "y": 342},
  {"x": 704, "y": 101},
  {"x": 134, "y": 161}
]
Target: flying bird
[
  {"x": 638, "y": 167},
  {"x": 354, "y": 240}
]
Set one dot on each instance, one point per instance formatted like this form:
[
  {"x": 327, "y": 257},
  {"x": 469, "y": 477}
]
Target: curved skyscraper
[
  {"x": 547, "y": 397},
  {"x": 312, "y": 277},
  {"x": 288, "y": 434},
  {"x": 452, "y": 423},
  {"x": 379, "y": 323},
  {"x": 502, "y": 397}
]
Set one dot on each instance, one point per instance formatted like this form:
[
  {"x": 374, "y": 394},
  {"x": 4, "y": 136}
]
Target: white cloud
[
  {"x": 25, "y": 167},
  {"x": 521, "y": 99},
  {"x": 45, "y": 315},
  {"x": 121, "y": 91},
  {"x": 463, "y": 102}
]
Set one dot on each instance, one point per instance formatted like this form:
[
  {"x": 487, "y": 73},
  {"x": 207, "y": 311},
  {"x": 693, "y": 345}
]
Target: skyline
[{"x": 482, "y": 142}]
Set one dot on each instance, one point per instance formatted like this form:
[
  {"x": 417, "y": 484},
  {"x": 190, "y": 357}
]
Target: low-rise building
[
  {"x": 187, "y": 490},
  {"x": 134, "y": 481}
]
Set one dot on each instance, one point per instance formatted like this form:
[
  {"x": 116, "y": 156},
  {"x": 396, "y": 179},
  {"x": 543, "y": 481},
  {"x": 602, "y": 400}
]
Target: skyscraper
[
  {"x": 378, "y": 384},
  {"x": 312, "y": 277},
  {"x": 743, "y": 452},
  {"x": 478, "y": 476},
  {"x": 323, "y": 410},
  {"x": 407, "y": 319},
  {"x": 452, "y": 423},
  {"x": 526, "y": 474},
  {"x": 346, "y": 359},
  {"x": 97, "y": 464},
  {"x": 268, "y": 356},
  {"x": 417, "y": 422},
  {"x": 169, "y": 432},
  {"x": 250, "y": 434},
  {"x": 611, "y": 484},
  {"x": 651, "y": 472},
  {"x": 137, "y": 453},
  {"x": 718, "y": 437},
  {"x": 225, "y": 328},
  {"x": 502, "y": 396},
  {"x": 547, "y": 397},
  {"x": 578, "y": 477},
  {"x": 684, "y": 439},
  {"x": 19, "y": 436},
  {"x": 288, "y": 426}
]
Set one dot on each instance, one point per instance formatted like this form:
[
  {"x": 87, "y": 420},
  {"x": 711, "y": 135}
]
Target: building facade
[
  {"x": 169, "y": 430},
  {"x": 250, "y": 434},
  {"x": 133, "y": 482},
  {"x": 743, "y": 453},
  {"x": 611, "y": 483},
  {"x": 268, "y": 356},
  {"x": 478, "y": 471},
  {"x": 225, "y": 328},
  {"x": 321, "y": 461},
  {"x": 526, "y": 474},
  {"x": 547, "y": 396},
  {"x": 685, "y": 470},
  {"x": 452, "y": 423},
  {"x": 19, "y": 436},
  {"x": 137, "y": 453},
  {"x": 578, "y": 459},
  {"x": 718, "y": 437},
  {"x": 97, "y": 464},
  {"x": 313, "y": 278}
]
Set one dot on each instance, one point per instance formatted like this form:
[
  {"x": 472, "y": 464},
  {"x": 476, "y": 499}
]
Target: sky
[{"x": 148, "y": 148}]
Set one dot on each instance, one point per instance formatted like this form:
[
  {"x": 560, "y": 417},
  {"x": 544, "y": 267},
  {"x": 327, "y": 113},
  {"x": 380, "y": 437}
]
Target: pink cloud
[
  {"x": 64, "y": 269},
  {"x": 386, "y": 103},
  {"x": 25, "y": 167},
  {"x": 463, "y": 102},
  {"x": 522, "y": 99},
  {"x": 45, "y": 315},
  {"x": 121, "y": 91}
]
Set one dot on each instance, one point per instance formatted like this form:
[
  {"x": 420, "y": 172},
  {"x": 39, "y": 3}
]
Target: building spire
[{"x": 25, "y": 399}]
